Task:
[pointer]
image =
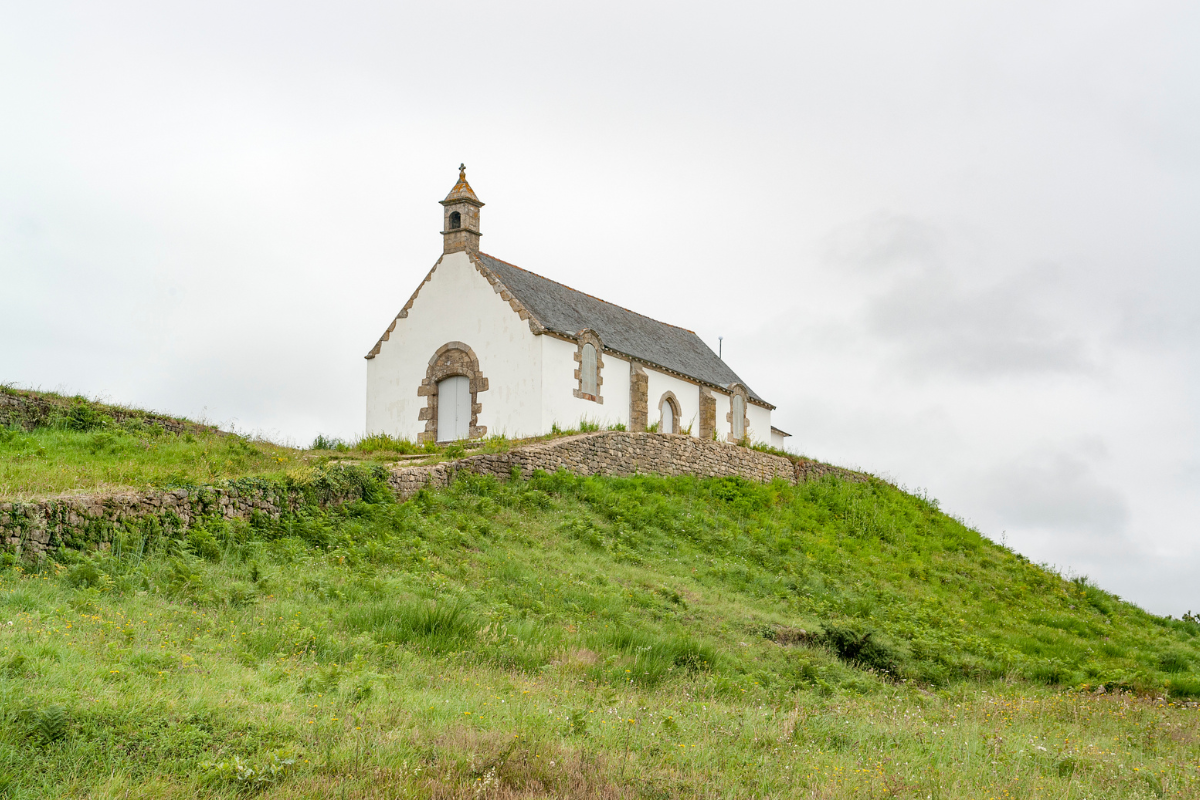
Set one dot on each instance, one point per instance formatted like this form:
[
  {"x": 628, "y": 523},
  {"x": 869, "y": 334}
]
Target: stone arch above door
[{"x": 452, "y": 358}]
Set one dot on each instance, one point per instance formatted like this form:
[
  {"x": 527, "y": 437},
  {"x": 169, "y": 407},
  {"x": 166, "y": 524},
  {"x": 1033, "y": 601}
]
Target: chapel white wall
[
  {"x": 686, "y": 392},
  {"x": 722, "y": 422},
  {"x": 458, "y": 304},
  {"x": 559, "y": 403},
  {"x": 760, "y": 423}
]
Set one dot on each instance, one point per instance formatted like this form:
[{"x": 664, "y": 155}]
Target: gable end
[
  {"x": 497, "y": 286},
  {"x": 516, "y": 305}
]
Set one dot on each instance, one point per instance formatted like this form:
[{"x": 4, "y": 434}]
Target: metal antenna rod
[{"x": 720, "y": 345}]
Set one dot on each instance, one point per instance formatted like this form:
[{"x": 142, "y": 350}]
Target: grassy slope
[
  {"x": 79, "y": 446},
  {"x": 53, "y": 461},
  {"x": 591, "y": 637}
]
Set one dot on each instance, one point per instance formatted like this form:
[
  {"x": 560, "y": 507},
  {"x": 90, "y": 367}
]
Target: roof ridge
[{"x": 585, "y": 294}]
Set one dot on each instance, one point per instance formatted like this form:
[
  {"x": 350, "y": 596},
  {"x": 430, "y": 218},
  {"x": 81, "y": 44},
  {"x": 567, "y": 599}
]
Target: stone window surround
[
  {"x": 451, "y": 359},
  {"x": 738, "y": 389},
  {"x": 589, "y": 336},
  {"x": 669, "y": 397}
]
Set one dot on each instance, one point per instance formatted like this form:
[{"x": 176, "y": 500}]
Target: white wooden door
[
  {"x": 454, "y": 409},
  {"x": 668, "y": 419}
]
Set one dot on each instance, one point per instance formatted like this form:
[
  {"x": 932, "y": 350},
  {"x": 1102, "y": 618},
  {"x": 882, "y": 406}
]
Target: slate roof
[{"x": 564, "y": 310}]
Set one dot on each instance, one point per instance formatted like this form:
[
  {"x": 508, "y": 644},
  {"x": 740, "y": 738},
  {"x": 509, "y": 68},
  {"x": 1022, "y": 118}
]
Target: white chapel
[{"x": 484, "y": 347}]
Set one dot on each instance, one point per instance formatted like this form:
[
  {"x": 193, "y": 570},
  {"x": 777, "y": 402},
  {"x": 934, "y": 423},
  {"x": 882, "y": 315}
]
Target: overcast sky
[{"x": 955, "y": 243}]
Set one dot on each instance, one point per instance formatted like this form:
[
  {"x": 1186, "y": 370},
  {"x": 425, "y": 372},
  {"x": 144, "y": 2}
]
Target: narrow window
[
  {"x": 739, "y": 417},
  {"x": 455, "y": 220},
  {"x": 668, "y": 418},
  {"x": 588, "y": 369}
]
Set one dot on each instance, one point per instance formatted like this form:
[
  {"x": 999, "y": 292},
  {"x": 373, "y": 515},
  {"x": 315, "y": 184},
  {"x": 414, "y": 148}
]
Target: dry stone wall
[
  {"x": 31, "y": 529},
  {"x": 618, "y": 453}
]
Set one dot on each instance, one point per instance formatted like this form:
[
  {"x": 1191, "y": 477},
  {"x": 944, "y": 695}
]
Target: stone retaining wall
[
  {"x": 616, "y": 453},
  {"x": 30, "y": 529}
]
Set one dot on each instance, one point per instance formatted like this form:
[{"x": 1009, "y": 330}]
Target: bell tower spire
[{"x": 460, "y": 226}]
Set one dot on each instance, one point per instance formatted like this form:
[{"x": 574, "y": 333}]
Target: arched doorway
[
  {"x": 454, "y": 408},
  {"x": 451, "y": 389}
]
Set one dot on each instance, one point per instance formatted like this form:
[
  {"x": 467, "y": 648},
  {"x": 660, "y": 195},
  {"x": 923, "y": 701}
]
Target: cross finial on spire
[{"x": 462, "y": 168}]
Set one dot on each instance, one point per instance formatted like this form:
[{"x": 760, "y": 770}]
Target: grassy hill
[
  {"x": 587, "y": 637},
  {"x": 51, "y": 445}
]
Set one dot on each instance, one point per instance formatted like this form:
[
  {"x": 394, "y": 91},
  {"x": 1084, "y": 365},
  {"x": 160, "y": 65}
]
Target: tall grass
[{"x": 588, "y": 637}]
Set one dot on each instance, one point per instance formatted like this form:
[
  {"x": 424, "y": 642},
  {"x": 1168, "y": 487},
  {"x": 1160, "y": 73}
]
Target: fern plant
[{"x": 50, "y": 724}]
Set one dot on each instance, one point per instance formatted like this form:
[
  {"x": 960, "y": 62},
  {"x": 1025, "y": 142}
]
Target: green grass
[
  {"x": 588, "y": 637},
  {"x": 74, "y": 445},
  {"x": 52, "y": 461}
]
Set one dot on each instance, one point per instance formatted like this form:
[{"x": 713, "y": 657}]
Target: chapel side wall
[
  {"x": 559, "y": 403},
  {"x": 760, "y": 423},
  {"x": 722, "y": 427},
  {"x": 458, "y": 304},
  {"x": 686, "y": 393}
]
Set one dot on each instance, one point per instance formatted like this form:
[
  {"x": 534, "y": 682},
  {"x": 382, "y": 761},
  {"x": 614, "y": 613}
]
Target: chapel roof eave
[{"x": 564, "y": 311}]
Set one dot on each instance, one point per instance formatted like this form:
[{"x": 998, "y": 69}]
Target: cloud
[
  {"x": 949, "y": 314},
  {"x": 1058, "y": 491}
]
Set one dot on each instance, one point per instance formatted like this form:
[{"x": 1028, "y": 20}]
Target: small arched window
[
  {"x": 455, "y": 220},
  {"x": 739, "y": 417},
  {"x": 587, "y": 373}
]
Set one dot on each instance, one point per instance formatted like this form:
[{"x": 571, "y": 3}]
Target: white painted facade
[
  {"x": 457, "y": 304},
  {"x": 529, "y": 371},
  {"x": 561, "y": 407},
  {"x": 687, "y": 393},
  {"x": 760, "y": 423},
  {"x": 531, "y": 377}
]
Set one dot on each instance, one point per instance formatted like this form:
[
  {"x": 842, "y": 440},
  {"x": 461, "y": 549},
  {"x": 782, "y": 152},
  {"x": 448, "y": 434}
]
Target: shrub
[
  {"x": 84, "y": 416},
  {"x": 323, "y": 442},
  {"x": 861, "y": 647},
  {"x": 202, "y": 544},
  {"x": 381, "y": 442},
  {"x": 86, "y": 574}
]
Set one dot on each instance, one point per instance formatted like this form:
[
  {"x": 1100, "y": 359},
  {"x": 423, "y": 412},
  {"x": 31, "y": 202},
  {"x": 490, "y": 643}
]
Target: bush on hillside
[{"x": 862, "y": 647}]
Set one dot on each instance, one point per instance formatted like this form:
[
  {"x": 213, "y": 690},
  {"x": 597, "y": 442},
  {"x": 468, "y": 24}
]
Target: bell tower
[{"x": 460, "y": 226}]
